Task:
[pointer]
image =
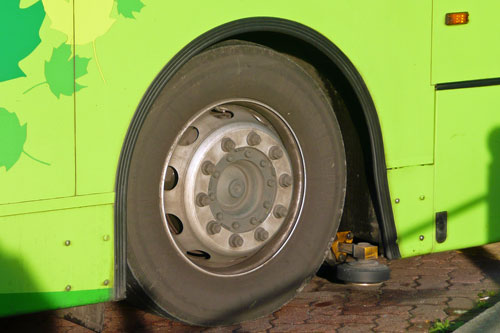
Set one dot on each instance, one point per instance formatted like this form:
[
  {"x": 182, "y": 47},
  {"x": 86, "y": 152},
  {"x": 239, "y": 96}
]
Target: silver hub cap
[{"x": 230, "y": 186}]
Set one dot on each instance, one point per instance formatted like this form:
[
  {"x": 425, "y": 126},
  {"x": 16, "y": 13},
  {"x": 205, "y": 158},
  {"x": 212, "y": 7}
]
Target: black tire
[{"x": 160, "y": 276}]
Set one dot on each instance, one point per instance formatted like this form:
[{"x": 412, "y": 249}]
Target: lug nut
[
  {"x": 228, "y": 145},
  {"x": 280, "y": 211},
  {"x": 261, "y": 234},
  {"x": 235, "y": 240},
  {"x": 235, "y": 225},
  {"x": 213, "y": 228},
  {"x": 285, "y": 180},
  {"x": 207, "y": 168},
  {"x": 202, "y": 200},
  {"x": 267, "y": 204},
  {"x": 271, "y": 183},
  {"x": 253, "y": 139},
  {"x": 275, "y": 153},
  {"x": 254, "y": 221}
]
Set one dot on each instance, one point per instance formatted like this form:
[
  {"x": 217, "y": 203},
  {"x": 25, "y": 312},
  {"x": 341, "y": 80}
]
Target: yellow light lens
[{"x": 457, "y": 18}]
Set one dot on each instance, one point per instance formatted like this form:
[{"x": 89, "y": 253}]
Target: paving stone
[
  {"x": 355, "y": 328},
  {"x": 291, "y": 315},
  {"x": 259, "y": 325},
  {"x": 432, "y": 282},
  {"x": 392, "y": 323},
  {"x": 461, "y": 303},
  {"x": 425, "y": 313},
  {"x": 305, "y": 328}
]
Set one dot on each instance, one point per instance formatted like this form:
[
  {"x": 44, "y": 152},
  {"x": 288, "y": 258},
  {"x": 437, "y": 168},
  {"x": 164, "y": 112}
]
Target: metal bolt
[
  {"x": 106, "y": 282},
  {"x": 227, "y": 145},
  {"x": 271, "y": 183},
  {"x": 349, "y": 236},
  {"x": 280, "y": 211},
  {"x": 261, "y": 234},
  {"x": 68, "y": 288},
  {"x": 275, "y": 153},
  {"x": 235, "y": 240},
  {"x": 285, "y": 180},
  {"x": 235, "y": 225},
  {"x": 254, "y": 221},
  {"x": 422, "y": 197},
  {"x": 253, "y": 139},
  {"x": 248, "y": 153},
  {"x": 267, "y": 204},
  {"x": 202, "y": 200},
  {"x": 208, "y": 168},
  {"x": 105, "y": 238},
  {"x": 229, "y": 158},
  {"x": 421, "y": 237},
  {"x": 216, "y": 174},
  {"x": 397, "y": 200},
  {"x": 213, "y": 228},
  {"x": 67, "y": 243},
  {"x": 219, "y": 216}
]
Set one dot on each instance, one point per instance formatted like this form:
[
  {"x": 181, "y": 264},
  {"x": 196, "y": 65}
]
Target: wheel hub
[{"x": 235, "y": 185}]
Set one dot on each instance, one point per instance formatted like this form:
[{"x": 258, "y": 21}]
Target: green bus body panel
[
  {"x": 14, "y": 304},
  {"x": 412, "y": 195},
  {"x": 35, "y": 121},
  {"x": 34, "y": 256},
  {"x": 467, "y": 173},
  {"x": 130, "y": 52},
  {"x": 470, "y": 51}
]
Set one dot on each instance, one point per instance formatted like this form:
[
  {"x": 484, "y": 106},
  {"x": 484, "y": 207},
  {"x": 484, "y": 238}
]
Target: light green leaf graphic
[
  {"x": 19, "y": 35},
  {"x": 12, "y": 139},
  {"x": 126, "y": 8},
  {"x": 59, "y": 71}
]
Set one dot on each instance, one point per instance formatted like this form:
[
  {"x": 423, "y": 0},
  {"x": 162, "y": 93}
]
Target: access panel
[{"x": 467, "y": 170}]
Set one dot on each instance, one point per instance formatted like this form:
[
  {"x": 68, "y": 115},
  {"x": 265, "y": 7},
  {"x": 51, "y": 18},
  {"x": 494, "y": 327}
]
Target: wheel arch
[{"x": 262, "y": 29}]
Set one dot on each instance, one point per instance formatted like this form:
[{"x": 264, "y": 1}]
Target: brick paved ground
[{"x": 420, "y": 291}]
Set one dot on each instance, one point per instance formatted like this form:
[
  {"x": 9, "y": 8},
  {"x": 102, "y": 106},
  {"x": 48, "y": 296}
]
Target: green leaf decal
[
  {"x": 12, "y": 139},
  {"x": 59, "y": 71},
  {"x": 127, "y": 8},
  {"x": 19, "y": 35}
]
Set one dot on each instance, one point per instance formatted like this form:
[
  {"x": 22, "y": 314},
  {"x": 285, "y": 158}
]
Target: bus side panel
[
  {"x": 467, "y": 171},
  {"x": 128, "y": 48},
  {"x": 37, "y": 148},
  {"x": 56, "y": 259}
]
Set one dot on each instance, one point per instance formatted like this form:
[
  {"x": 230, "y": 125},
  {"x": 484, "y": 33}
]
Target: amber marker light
[{"x": 457, "y": 18}]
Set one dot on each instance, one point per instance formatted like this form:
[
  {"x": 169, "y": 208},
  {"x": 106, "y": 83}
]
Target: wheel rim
[{"x": 232, "y": 187}]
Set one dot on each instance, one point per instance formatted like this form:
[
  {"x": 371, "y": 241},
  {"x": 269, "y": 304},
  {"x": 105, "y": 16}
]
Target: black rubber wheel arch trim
[{"x": 225, "y": 31}]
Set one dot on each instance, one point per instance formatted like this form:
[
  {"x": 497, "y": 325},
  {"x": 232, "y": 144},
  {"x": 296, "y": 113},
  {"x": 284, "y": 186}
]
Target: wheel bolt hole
[
  {"x": 189, "y": 136},
  {"x": 171, "y": 179},
  {"x": 174, "y": 224}
]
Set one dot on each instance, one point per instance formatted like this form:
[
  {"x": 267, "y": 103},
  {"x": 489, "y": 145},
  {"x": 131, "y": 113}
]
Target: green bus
[{"x": 200, "y": 156}]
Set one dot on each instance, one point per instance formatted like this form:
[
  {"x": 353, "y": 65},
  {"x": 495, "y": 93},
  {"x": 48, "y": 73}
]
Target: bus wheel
[{"x": 235, "y": 189}]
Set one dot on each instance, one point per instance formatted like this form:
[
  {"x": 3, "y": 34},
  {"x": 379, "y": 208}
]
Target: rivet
[
  {"x": 228, "y": 145},
  {"x": 219, "y": 216},
  {"x": 421, "y": 237},
  {"x": 254, "y": 221},
  {"x": 248, "y": 153},
  {"x": 280, "y": 211},
  {"x": 235, "y": 240},
  {"x": 207, "y": 168},
  {"x": 67, "y": 243},
  {"x": 261, "y": 234},
  {"x": 106, "y": 238},
  {"x": 216, "y": 174},
  {"x": 106, "y": 282},
  {"x": 253, "y": 139},
  {"x": 397, "y": 200},
  {"x": 275, "y": 153},
  {"x": 235, "y": 225},
  {"x": 267, "y": 204},
  {"x": 213, "y": 228},
  {"x": 285, "y": 180},
  {"x": 271, "y": 183},
  {"x": 422, "y": 197},
  {"x": 68, "y": 288},
  {"x": 263, "y": 163},
  {"x": 229, "y": 158}
]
